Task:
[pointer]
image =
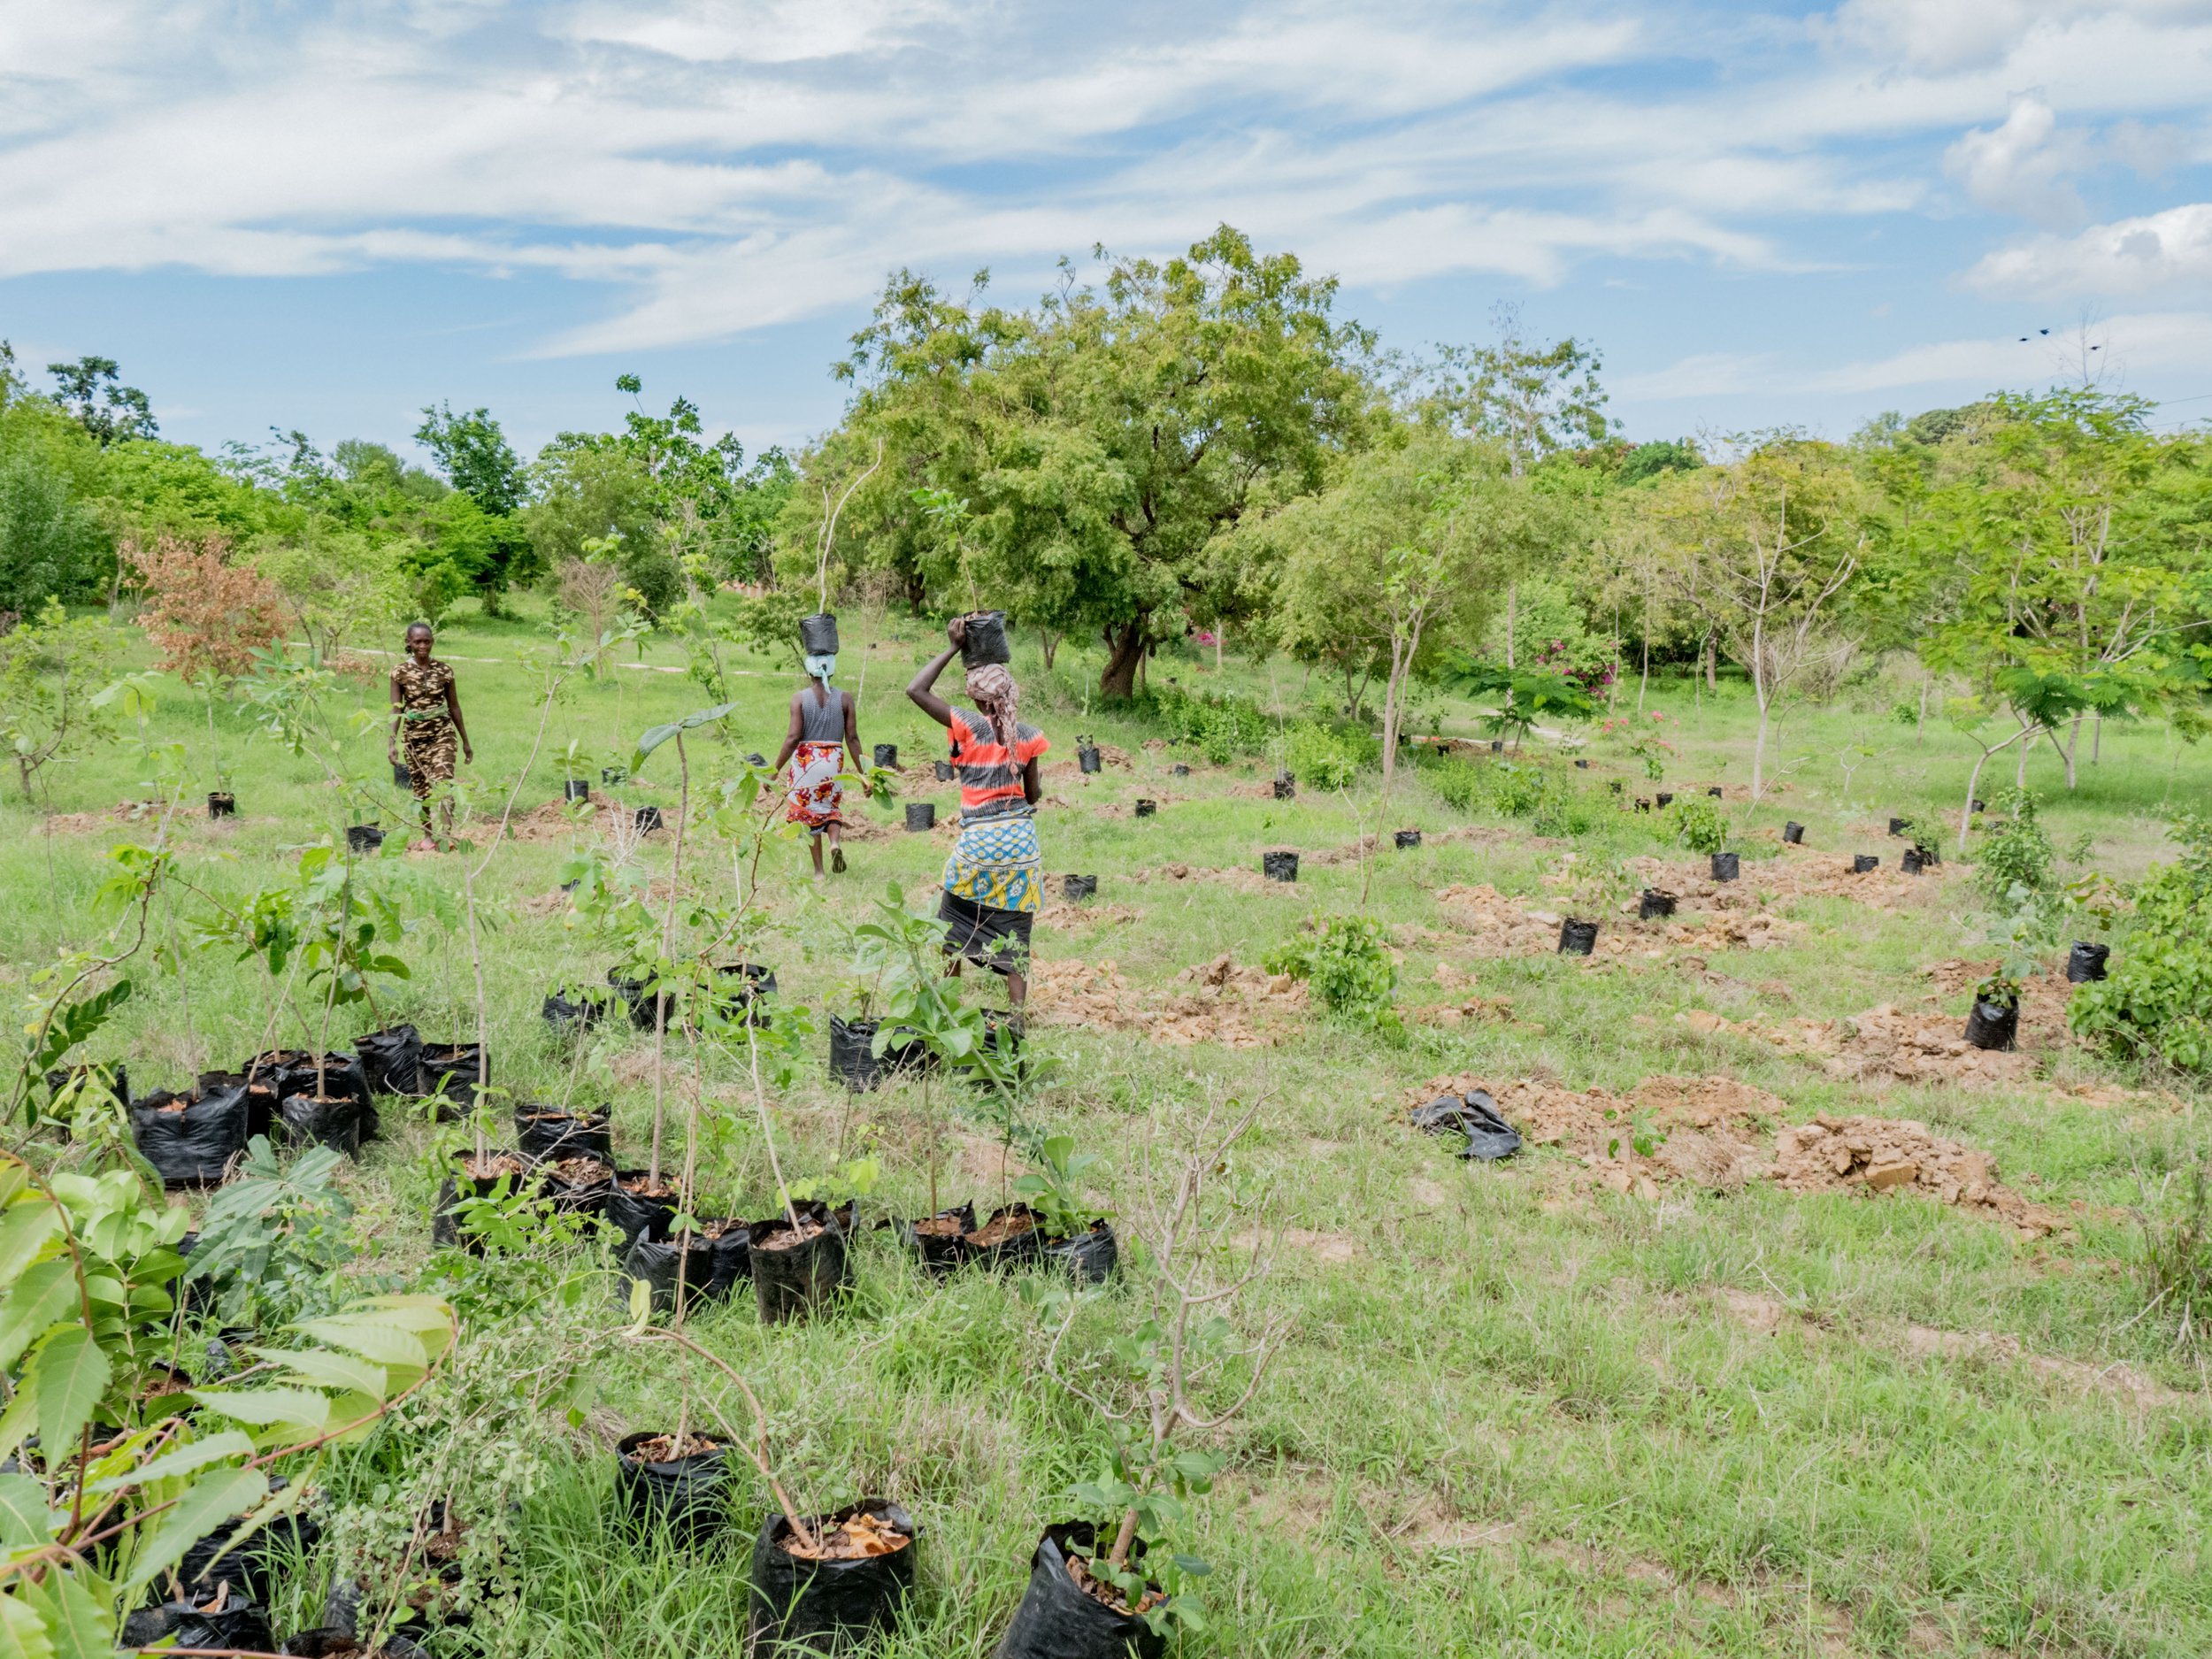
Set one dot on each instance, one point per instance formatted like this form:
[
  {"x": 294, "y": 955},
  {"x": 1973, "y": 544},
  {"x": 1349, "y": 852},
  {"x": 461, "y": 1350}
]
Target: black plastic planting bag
[
  {"x": 241, "y": 1624},
  {"x": 1577, "y": 939},
  {"x": 748, "y": 987},
  {"x": 2086, "y": 962},
  {"x": 453, "y": 1069},
  {"x": 1022, "y": 1241},
  {"x": 191, "y": 1148},
  {"x": 581, "y": 1192},
  {"x": 1407, "y": 839},
  {"x": 984, "y": 639},
  {"x": 885, "y": 755},
  {"x": 946, "y": 1248},
  {"x": 1279, "y": 866},
  {"x": 1088, "y": 758},
  {"x": 546, "y": 1132},
  {"x": 819, "y": 1607},
  {"x": 61, "y": 1077},
  {"x": 1794, "y": 833},
  {"x": 921, "y": 815},
  {"x": 1059, "y": 1619},
  {"x": 1865, "y": 863},
  {"x": 1992, "y": 1024},
  {"x": 1078, "y": 887},
  {"x": 634, "y": 1216},
  {"x": 329, "y": 1643},
  {"x": 792, "y": 1280},
  {"x": 687, "y": 1496},
  {"x": 389, "y": 1059},
  {"x": 1090, "y": 1255},
  {"x": 817, "y": 635},
  {"x": 1911, "y": 863},
  {"x": 730, "y": 1244},
  {"x": 250, "y": 1569},
  {"x": 307, "y": 1120},
  {"x": 570, "y": 1012},
  {"x": 1727, "y": 866},
  {"x": 445, "y": 1220},
  {"x": 1477, "y": 1117},
  {"x": 1654, "y": 904},
  {"x": 852, "y": 1057},
  {"x": 664, "y": 1265}
]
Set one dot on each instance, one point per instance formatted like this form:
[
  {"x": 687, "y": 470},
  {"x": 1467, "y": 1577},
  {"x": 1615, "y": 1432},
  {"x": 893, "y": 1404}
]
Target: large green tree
[{"x": 1077, "y": 464}]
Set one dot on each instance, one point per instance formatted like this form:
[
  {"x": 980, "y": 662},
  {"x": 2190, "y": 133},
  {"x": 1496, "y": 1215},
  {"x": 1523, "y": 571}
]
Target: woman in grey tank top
[{"x": 825, "y": 730}]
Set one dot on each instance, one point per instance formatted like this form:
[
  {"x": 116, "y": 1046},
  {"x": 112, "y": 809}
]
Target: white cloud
[
  {"x": 1704, "y": 374},
  {"x": 2020, "y": 166},
  {"x": 1939, "y": 36},
  {"x": 2127, "y": 258}
]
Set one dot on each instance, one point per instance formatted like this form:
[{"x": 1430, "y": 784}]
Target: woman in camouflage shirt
[{"x": 426, "y": 723}]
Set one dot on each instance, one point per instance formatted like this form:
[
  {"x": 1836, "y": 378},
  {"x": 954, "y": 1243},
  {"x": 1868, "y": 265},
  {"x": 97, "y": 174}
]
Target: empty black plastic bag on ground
[
  {"x": 689, "y": 1495},
  {"x": 1059, "y": 1619},
  {"x": 819, "y": 1607},
  {"x": 194, "y": 1146},
  {"x": 2086, "y": 962},
  {"x": 1475, "y": 1116}
]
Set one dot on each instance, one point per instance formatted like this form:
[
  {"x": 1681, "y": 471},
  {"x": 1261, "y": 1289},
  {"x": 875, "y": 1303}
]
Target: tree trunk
[
  {"x": 1221, "y": 632},
  {"x": 1119, "y": 677},
  {"x": 1712, "y": 663},
  {"x": 1758, "y": 753},
  {"x": 1051, "y": 643},
  {"x": 2073, "y": 742},
  {"x": 2096, "y": 738},
  {"x": 1920, "y": 724}
]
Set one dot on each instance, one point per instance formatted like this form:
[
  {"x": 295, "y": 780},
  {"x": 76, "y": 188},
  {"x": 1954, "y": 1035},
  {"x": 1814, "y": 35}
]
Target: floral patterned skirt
[{"x": 818, "y": 793}]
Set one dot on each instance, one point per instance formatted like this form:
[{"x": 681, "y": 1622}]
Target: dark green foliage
[
  {"x": 1662, "y": 455},
  {"x": 2018, "y": 851},
  {"x": 475, "y": 457},
  {"x": 2158, "y": 999},
  {"x": 97, "y": 400},
  {"x": 1347, "y": 961},
  {"x": 1221, "y": 726}
]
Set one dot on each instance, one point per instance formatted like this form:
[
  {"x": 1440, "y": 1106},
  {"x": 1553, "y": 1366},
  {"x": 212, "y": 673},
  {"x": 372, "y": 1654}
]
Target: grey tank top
[{"x": 821, "y": 722}]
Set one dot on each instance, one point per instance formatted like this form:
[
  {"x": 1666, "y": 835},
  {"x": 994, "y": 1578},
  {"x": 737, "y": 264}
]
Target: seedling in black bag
[{"x": 1151, "y": 1384}]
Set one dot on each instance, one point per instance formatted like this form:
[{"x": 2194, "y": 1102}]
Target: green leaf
[
  {"x": 387, "y": 1342},
  {"x": 77, "y": 1624},
  {"x": 23, "y": 1233},
  {"x": 24, "y": 1521},
  {"x": 72, "y": 1374},
  {"x": 184, "y": 1461},
  {"x": 654, "y": 736},
  {"x": 46, "y": 1292},
  {"x": 23, "y": 1630},
  {"x": 269, "y": 1408},
  {"x": 207, "y": 1505},
  {"x": 325, "y": 1370}
]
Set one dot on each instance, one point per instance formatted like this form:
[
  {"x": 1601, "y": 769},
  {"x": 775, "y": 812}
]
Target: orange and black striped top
[{"x": 990, "y": 778}]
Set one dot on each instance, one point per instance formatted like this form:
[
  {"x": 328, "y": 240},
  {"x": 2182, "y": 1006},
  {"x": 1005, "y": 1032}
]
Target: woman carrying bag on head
[
  {"x": 992, "y": 883},
  {"x": 824, "y": 729}
]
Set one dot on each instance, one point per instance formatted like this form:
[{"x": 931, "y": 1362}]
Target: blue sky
[{"x": 323, "y": 216}]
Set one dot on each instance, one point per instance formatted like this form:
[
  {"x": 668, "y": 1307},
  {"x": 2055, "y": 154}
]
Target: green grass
[{"x": 1508, "y": 1417}]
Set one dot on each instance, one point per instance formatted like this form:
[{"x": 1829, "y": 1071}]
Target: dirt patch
[
  {"x": 544, "y": 903},
  {"x": 1708, "y": 1132},
  {"x": 1768, "y": 882},
  {"x": 1468, "y": 1010},
  {"x": 1501, "y": 926},
  {"x": 1070, "y": 917},
  {"x": 550, "y": 821},
  {"x": 1881, "y": 1155},
  {"x": 1885, "y": 1044},
  {"x": 1221, "y": 1002},
  {"x": 2043, "y": 997},
  {"x": 1924, "y": 1341}
]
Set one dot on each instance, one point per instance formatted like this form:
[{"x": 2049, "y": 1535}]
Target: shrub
[
  {"x": 1459, "y": 783},
  {"x": 1323, "y": 757},
  {"x": 1561, "y": 810},
  {"x": 1347, "y": 961},
  {"x": 1516, "y": 791},
  {"x": 2016, "y": 853},
  {"x": 2158, "y": 1000},
  {"x": 1221, "y": 726},
  {"x": 1698, "y": 824}
]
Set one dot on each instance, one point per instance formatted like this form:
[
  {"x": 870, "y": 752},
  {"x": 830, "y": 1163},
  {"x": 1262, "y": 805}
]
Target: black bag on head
[
  {"x": 817, "y": 635},
  {"x": 984, "y": 641}
]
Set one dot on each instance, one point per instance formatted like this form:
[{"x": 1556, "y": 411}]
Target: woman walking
[
  {"x": 824, "y": 729},
  {"x": 425, "y": 722},
  {"x": 992, "y": 881}
]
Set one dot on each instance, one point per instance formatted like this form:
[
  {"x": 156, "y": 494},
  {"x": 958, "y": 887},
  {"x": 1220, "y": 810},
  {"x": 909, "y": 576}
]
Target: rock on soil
[{"x": 1880, "y": 1155}]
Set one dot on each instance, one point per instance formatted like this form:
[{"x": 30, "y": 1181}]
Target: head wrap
[
  {"x": 993, "y": 689},
  {"x": 822, "y": 667}
]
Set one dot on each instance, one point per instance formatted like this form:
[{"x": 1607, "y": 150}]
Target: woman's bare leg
[{"x": 814, "y": 846}]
